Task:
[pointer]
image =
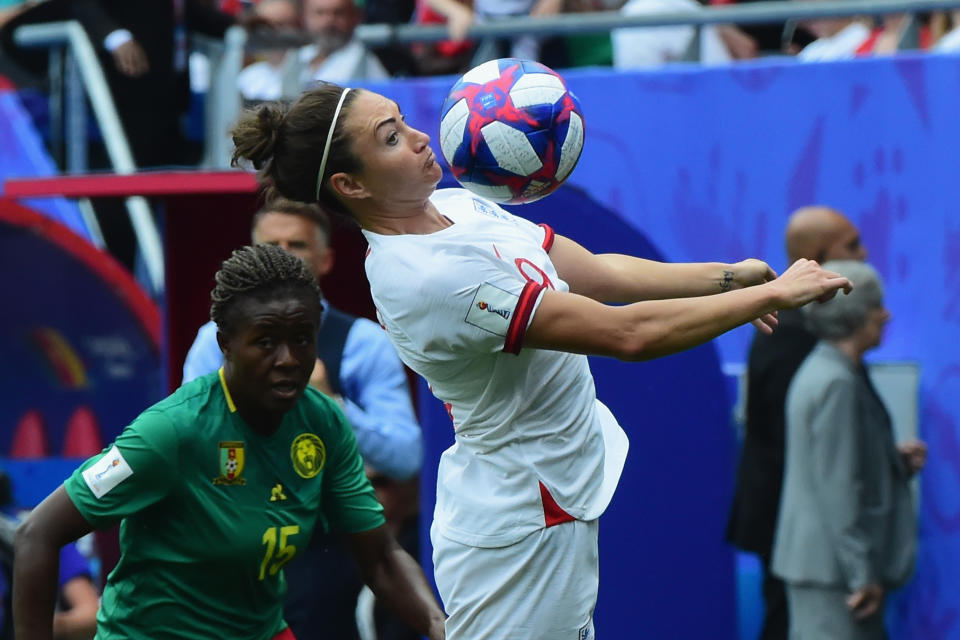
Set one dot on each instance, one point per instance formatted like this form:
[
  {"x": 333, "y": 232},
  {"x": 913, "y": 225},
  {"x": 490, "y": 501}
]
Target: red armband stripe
[
  {"x": 521, "y": 317},
  {"x": 547, "y": 237}
]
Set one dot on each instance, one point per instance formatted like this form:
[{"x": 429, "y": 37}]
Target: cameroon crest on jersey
[{"x": 231, "y": 464}]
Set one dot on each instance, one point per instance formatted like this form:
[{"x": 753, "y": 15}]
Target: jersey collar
[{"x": 226, "y": 392}]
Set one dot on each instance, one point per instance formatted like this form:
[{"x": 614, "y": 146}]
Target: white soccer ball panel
[
  {"x": 484, "y": 73},
  {"x": 497, "y": 193},
  {"x": 570, "y": 151},
  {"x": 510, "y": 148},
  {"x": 536, "y": 88},
  {"x": 452, "y": 127}
]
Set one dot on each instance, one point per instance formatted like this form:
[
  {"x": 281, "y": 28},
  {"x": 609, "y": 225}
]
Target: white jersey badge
[
  {"x": 107, "y": 472},
  {"x": 492, "y": 308}
]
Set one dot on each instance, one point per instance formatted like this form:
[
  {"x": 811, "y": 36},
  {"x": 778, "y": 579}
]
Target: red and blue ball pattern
[{"x": 511, "y": 130}]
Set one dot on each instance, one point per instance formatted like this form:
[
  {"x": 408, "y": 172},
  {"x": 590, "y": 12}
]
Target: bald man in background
[{"x": 816, "y": 233}]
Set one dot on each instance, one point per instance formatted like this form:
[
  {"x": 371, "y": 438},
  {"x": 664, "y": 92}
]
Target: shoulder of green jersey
[{"x": 107, "y": 472}]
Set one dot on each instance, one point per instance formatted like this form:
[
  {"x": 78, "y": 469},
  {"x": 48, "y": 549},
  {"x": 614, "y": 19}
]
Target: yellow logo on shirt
[
  {"x": 308, "y": 455},
  {"x": 231, "y": 464},
  {"x": 277, "y": 493}
]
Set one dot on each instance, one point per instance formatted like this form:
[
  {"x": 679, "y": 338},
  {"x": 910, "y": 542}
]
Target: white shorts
[{"x": 541, "y": 588}]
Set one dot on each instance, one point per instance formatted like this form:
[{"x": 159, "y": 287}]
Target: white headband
[{"x": 326, "y": 147}]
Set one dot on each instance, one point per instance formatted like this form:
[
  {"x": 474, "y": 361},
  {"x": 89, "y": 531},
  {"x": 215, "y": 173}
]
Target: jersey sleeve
[
  {"x": 468, "y": 304},
  {"x": 349, "y": 503},
  {"x": 136, "y": 471}
]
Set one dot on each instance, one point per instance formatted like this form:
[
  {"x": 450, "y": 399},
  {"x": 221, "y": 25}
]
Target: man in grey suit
[{"x": 846, "y": 532}]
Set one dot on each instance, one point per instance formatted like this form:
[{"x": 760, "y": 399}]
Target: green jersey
[{"x": 211, "y": 511}]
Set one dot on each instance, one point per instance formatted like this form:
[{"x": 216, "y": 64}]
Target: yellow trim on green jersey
[{"x": 226, "y": 392}]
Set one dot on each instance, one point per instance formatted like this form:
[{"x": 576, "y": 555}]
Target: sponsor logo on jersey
[
  {"x": 308, "y": 455},
  {"x": 107, "y": 472},
  {"x": 503, "y": 313},
  {"x": 231, "y": 464},
  {"x": 276, "y": 494},
  {"x": 491, "y": 309}
]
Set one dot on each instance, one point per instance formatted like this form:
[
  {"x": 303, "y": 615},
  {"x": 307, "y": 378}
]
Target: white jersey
[{"x": 534, "y": 447}]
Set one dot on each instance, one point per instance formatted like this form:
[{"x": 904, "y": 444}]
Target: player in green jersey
[{"x": 219, "y": 485}]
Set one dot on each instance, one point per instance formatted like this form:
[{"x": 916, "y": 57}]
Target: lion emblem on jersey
[{"x": 308, "y": 455}]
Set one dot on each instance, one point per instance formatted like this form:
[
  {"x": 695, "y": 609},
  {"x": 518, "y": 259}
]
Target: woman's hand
[
  {"x": 806, "y": 281},
  {"x": 459, "y": 20},
  {"x": 748, "y": 273}
]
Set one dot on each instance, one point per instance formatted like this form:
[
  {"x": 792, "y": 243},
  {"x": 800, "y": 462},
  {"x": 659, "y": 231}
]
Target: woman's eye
[
  {"x": 265, "y": 343},
  {"x": 393, "y": 138}
]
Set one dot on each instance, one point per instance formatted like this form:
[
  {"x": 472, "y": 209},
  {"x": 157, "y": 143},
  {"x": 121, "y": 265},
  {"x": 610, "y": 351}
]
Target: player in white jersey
[{"x": 497, "y": 314}]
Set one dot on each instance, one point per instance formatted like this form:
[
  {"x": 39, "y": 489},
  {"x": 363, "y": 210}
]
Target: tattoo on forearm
[{"x": 727, "y": 281}]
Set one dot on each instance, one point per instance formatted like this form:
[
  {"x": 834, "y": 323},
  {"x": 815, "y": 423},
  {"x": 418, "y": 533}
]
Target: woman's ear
[
  {"x": 347, "y": 186},
  {"x": 224, "y": 343}
]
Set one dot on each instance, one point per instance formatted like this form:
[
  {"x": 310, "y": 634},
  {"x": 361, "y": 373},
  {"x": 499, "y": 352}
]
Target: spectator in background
[
  {"x": 847, "y": 529},
  {"x": 816, "y": 233},
  {"x": 143, "y": 47},
  {"x": 334, "y": 56},
  {"x": 460, "y": 16},
  {"x": 945, "y": 30},
  {"x": 750, "y": 41},
  {"x": 651, "y": 46},
  {"x": 447, "y": 56},
  {"x": 358, "y": 367},
  {"x": 847, "y": 38},
  {"x": 283, "y": 16},
  {"x": 835, "y": 39}
]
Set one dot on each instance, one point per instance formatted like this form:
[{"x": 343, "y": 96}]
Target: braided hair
[{"x": 256, "y": 272}]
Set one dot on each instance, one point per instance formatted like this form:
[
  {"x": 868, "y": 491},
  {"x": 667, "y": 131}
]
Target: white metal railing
[
  {"x": 223, "y": 101},
  {"x": 72, "y": 37}
]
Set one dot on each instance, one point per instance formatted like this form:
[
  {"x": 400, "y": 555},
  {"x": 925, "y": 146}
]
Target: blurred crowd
[
  {"x": 297, "y": 42},
  {"x": 158, "y": 74}
]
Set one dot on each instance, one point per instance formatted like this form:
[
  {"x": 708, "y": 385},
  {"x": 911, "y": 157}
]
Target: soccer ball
[{"x": 511, "y": 131}]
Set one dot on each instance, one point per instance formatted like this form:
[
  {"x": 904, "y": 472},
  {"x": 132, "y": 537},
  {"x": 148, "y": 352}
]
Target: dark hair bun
[{"x": 255, "y": 135}]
